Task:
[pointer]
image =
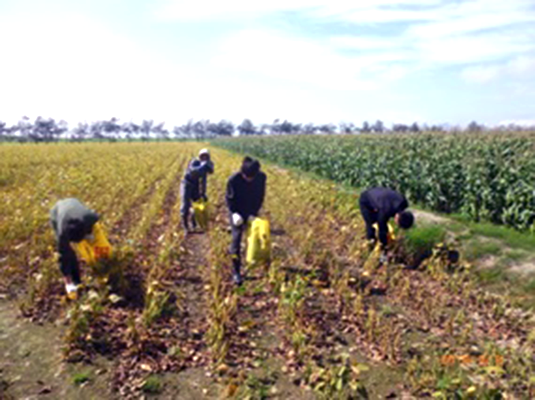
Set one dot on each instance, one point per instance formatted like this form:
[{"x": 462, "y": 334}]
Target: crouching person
[
  {"x": 245, "y": 195},
  {"x": 72, "y": 222},
  {"x": 377, "y": 206}
]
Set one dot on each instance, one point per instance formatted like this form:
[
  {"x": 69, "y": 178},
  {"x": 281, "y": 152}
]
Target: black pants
[
  {"x": 235, "y": 244},
  {"x": 189, "y": 193},
  {"x": 370, "y": 217}
]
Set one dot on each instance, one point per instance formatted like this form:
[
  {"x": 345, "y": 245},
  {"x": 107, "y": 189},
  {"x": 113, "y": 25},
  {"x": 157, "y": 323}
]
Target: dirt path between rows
[
  {"x": 188, "y": 276},
  {"x": 31, "y": 363}
]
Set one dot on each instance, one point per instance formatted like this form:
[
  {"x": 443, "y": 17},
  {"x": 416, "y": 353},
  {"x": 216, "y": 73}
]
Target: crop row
[
  {"x": 316, "y": 308},
  {"x": 418, "y": 318},
  {"x": 109, "y": 179}
]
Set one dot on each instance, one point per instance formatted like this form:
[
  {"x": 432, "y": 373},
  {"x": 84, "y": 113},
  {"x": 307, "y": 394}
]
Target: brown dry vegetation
[{"x": 323, "y": 320}]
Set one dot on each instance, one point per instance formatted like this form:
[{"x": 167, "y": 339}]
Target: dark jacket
[
  {"x": 384, "y": 203},
  {"x": 71, "y": 221},
  {"x": 245, "y": 198},
  {"x": 196, "y": 174}
]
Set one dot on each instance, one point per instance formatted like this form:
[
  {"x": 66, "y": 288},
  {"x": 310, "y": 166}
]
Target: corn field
[
  {"x": 484, "y": 177},
  {"x": 323, "y": 320}
]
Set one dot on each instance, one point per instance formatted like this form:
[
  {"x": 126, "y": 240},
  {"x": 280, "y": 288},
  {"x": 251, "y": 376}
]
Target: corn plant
[{"x": 487, "y": 178}]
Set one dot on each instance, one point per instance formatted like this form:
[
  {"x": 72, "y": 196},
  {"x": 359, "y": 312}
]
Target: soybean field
[{"x": 324, "y": 320}]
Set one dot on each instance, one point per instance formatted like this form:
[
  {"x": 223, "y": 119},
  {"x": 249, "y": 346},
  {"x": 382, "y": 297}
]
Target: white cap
[{"x": 203, "y": 152}]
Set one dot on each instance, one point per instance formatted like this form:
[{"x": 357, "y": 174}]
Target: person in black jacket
[
  {"x": 378, "y": 205},
  {"x": 72, "y": 222},
  {"x": 245, "y": 195}
]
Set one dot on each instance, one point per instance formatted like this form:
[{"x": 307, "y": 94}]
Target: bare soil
[{"x": 31, "y": 362}]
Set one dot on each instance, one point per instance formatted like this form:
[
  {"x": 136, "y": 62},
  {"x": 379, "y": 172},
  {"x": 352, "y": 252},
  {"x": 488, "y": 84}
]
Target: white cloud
[
  {"x": 78, "y": 68},
  {"x": 480, "y": 74},
  {"x": 489, "y": 38},
  {"x": 271, "y": 54},
  {"x": 464, "y": 33},
  {"x": 522, "y": 66},
  {"x": 232, "y": 9},
  {"x": 433, "y": 18},
  {"x": 69, "y": 66},
  {"x": 377, "y": 15},
  {"x": 473, "y": 49},
  {"x": 473, "y": 16},
  {"x": 375, "y": 43},
  {"x": 186, "y": 10},
  {"x": 74, "y": 68}
]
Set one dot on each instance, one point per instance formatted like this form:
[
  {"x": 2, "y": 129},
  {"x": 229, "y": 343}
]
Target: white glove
[
  {"x": 237, "y": 219},
  {"x": 71, "y": 287}
]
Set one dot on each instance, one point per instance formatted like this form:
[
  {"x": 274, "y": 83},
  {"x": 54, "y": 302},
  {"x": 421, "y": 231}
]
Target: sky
[{"x": 320, "y": 61}]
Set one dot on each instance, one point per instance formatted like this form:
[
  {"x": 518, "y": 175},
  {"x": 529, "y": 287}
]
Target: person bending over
[
  {"x": 72, "y": 222},
  {"x": 377, "y": 206}
]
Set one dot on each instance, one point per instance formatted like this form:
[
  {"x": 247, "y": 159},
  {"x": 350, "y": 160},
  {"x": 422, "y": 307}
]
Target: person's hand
[
  {"x": 237, "y": 219},
  {"x": 204, "y": 197},
  {"x": 209, "y": 164},
  {"x": 251, "y": 218}
]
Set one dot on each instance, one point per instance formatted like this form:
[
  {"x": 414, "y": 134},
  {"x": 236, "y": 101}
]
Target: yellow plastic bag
[
  {"x": 95, "y": 249},
  {"x": 391, "y": 236},
  {"x": 258, "y": 242},
  {"x": 200, "y": 213}
]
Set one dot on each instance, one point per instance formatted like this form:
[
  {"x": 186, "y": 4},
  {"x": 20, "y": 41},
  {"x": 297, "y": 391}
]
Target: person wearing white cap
[{"x": 193, "y": 186}]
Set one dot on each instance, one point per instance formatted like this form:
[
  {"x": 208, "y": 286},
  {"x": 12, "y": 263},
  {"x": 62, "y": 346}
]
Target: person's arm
[
  {"x": 54, "y": 220},
  {"x": 67, "y": 257},
  {"x": 210, "y": 168},
  {"x": 261, "y": 195},
  {"x": 202, "y": 169},
  {"x": 202, "y": 189},
  {"x": 382, "y": 222},
  {"x": 231, "y": 196}
]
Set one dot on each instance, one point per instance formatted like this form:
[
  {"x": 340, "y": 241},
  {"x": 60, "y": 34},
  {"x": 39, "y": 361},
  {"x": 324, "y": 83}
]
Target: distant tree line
[{"x": 50, "y": 130}]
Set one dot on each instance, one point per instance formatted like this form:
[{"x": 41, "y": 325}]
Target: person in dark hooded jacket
[
  {"x": 193, "y": 186},
  {"x": 245, "y": 194},
  {"x": 72, "y": 222}
]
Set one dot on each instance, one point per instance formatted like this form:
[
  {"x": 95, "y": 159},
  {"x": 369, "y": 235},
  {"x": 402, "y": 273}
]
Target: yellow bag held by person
[
  {"x": 391, "y": 236},
  {"x": 258, "y": 242},
  {"x": 200, "y": 213},
  {"x": 96, "y": 248}
]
